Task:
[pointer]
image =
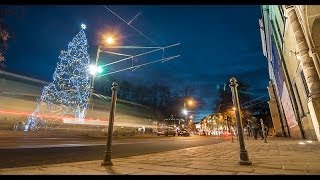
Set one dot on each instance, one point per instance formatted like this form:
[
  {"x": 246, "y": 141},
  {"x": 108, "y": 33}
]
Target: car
[
  {"x": 225, "y": 134},
  {"x": 167, "y": 132},
  {"x": 183, "y": 132},
  {"x": 121, "y": 131},
  {"x": 203, "y": 133}
]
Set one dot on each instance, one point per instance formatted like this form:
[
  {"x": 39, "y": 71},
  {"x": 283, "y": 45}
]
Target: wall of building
[
  {"x": 288, "y": 99},
  {"x": 274, "y": 112},
  {"x": 291, "y": 89},
  {"x": 290, "y": 54},
  {"x": 311, "y": 27},
  {"x": 274, "y": 27}
]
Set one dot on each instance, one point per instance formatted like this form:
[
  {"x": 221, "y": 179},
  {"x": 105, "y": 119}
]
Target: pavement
[{"x": 279, "y": 156}]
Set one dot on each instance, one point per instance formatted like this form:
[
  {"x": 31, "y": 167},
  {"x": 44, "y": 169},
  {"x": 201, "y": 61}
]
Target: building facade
[{"x": 290, "y": 36}]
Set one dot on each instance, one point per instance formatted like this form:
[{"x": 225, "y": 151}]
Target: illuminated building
[{"x": 290, "y": 37}]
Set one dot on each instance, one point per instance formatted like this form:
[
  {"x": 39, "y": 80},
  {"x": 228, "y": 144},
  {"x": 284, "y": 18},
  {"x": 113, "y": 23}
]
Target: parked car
[
  {"x": 225, "y": 134},
  {"x": 121, "y": 131},
  {"x": 202, "y": 133},
  {"x": 183, "y": 132},
  {"x": 167, "y": 132}
]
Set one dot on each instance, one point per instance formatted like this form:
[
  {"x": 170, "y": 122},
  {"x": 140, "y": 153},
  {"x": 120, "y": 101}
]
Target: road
[{"x": 18, "y": 152}]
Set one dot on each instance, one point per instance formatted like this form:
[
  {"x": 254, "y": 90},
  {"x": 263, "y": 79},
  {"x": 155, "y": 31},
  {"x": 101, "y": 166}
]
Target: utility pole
[{"x": 93, "y": 78}]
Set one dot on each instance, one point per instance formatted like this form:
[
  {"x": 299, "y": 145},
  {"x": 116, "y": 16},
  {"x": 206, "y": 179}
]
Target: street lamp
[
  {"x": 264, "y": 133},
  {"x": 110, "y": 40},
  {"x": 185, "y": 112},
  {"x": 95, "y": 69},
  {"x": 190, "y": 102}
]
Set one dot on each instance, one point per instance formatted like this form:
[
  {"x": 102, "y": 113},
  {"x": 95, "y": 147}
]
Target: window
[
  {"x": 304, "y": 83},
  {"x": 300, "y": 107},
  {"x": 280, "y": 7},
  {"x": 282, "y": 13},
  {"x": 263, "y": 38},
  {"x": 275, "y": 37},
  {"x": 279, "y": 31}
]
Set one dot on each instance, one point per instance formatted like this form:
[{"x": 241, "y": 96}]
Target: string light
[{"x": 69, "y": 92}]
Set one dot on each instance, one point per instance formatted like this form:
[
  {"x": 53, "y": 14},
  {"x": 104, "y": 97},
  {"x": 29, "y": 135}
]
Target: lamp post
[
  {"x": 244, "y": 158},
  {"x": 221, "y": 117},
  {"x": 263, "y": 131},
  {"x": 94, "y": 69},
  {"x": 108, "y": 152},
  {"x": 218, "y": 130},
  {"x": 248, "y": 129},
  {"x": 185, "y": 111}
]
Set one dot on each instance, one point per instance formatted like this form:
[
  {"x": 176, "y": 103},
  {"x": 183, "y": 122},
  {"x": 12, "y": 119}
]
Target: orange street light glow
[{"x": 110, "y": 40}]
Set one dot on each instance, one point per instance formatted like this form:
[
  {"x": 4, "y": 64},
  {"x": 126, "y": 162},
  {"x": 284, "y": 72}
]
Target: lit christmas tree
[{"x": 68, "y": 94}]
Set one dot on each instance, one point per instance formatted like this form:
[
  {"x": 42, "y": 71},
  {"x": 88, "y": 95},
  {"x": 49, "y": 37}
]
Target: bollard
[
  {"x": 230, "y": 131},
  {"x": 263, "y": 131},
  {"x": 244, "y": 158},
  {"x": 108, "y": 152},
  {"x": 248, "y": 130}
]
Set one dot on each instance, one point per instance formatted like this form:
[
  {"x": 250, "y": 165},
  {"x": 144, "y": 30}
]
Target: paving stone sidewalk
[{"x": 280, "y": 156}]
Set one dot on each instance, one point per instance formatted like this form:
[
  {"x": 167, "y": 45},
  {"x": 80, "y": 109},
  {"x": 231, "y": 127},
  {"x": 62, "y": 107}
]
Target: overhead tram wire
[
  {"x": 128, "y": 58},
  {"x": 130, "y": 25},
  {"x": 253, "y": 100},
  {"x": 140, "y": 65},
  {"x": 257, "y": 103},
  {"x": 114, "y": 53}
]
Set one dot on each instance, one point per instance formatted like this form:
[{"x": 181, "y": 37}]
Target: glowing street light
[
  {"x": 191, "y": 117},
  {"x": 110, "y": 40},
  {"x": 185, "y": 112},
  {"x": 188, "y": 102},
  {"x": 94, "y": 70}
]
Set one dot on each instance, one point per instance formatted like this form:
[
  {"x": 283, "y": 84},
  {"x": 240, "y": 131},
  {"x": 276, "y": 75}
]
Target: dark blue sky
[{"x": 216, "y": 42}]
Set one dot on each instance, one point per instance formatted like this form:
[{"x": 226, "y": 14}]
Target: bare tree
[
  {"x": 125, "y": 92},
  {"x": 224, "y": 104},
  {"x": 5, "y": 33},
  {"x": 188, "y": 91}
]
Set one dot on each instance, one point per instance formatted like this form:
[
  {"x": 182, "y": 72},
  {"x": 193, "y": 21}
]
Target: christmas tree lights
[{"x": 69, "y": 92}]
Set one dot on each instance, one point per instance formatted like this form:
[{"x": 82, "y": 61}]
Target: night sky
[{"x": 216, "y": 43}]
